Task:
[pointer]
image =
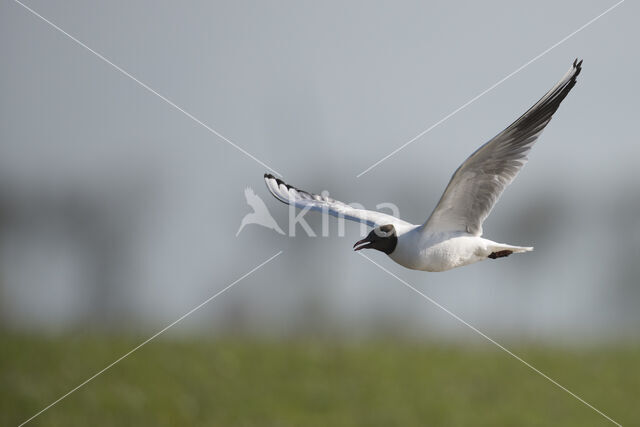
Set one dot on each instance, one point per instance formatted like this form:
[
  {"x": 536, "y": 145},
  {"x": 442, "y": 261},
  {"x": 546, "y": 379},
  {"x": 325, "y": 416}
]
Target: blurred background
[{"x": 118, "y": 213}]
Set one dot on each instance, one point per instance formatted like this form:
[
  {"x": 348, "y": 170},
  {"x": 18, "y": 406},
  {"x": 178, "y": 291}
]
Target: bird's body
[
  {"x": 451, "y": 236},
  {"x": 446, "y": 250}
]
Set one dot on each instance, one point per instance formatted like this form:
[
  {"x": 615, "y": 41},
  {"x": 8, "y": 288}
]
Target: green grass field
[{"x": 248, "y": 382}]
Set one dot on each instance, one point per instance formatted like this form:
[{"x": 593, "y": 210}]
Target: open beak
[{"x": 360, "y": 242}]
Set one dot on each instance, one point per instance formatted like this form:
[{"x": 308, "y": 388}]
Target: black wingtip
[
  {"x": 278, "y": 180},
  {"x": 577, "y": 64}
]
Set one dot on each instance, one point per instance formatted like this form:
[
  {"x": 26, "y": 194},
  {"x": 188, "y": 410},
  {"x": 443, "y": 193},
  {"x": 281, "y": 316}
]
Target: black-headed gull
[{"x": 451, "y": 236}]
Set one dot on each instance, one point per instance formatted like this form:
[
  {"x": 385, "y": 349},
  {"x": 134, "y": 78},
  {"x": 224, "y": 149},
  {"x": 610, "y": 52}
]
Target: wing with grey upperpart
[
  {"x": 477, "y": 184},
  {"x": 304, "y": 200}
]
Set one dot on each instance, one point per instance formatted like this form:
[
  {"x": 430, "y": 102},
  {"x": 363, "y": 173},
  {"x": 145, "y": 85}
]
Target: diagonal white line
[
  {"x": 147, "y": 87},
  {"x": 163, "y": 330},
  {"x": 489, "y": 89},
  {"x": 500, "y": 346}
]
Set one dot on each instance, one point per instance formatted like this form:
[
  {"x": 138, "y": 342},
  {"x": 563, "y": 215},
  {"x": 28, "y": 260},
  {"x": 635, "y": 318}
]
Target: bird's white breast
[{"x": 438, "y": 251}]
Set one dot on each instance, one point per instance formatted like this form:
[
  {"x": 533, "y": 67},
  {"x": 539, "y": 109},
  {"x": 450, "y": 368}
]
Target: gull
[
  {"x": 260, "y": 214},
  {"x": 451, "y": 236}
]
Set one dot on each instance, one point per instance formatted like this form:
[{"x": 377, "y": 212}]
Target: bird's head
[{"x": 383, "y": 239}]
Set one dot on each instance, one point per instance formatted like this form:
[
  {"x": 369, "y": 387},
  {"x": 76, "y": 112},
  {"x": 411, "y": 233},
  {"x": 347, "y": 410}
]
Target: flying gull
[{"x": 451, "y": 236}]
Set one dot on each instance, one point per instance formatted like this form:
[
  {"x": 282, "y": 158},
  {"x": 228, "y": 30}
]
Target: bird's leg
[{"x": 500, "y": 254}]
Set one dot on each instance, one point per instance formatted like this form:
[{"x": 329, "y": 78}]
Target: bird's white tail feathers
[{"x": 515, "y": 249}]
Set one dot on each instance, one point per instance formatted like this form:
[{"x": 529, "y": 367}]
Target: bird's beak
[{"x": 360, "y": 242}]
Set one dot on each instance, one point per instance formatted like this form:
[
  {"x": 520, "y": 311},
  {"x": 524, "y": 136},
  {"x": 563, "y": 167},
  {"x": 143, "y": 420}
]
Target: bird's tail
[{"x": 514, "y": 249}]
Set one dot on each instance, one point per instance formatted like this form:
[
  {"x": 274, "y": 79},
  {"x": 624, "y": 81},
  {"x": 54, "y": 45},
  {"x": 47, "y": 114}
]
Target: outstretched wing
[
  {"x": 302, "y": 199},
  {"x": 478, "y": 183}
]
